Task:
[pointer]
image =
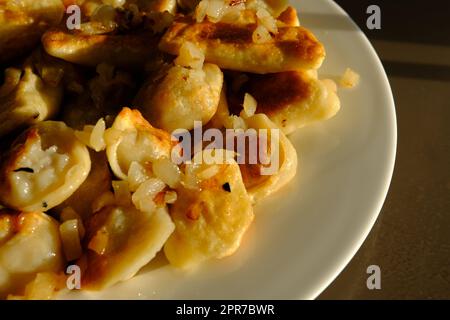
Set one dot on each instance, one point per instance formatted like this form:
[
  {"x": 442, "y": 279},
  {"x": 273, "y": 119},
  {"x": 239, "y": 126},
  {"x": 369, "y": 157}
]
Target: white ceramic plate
[{"x": 303, "y": 238}]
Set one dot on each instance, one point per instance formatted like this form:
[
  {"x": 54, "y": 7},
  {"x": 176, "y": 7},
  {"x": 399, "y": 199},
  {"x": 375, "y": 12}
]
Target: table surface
[{"x": 411, "y": 238}]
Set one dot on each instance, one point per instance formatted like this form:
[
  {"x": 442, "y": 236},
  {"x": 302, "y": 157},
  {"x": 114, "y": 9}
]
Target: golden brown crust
[
  {"x": 232, "y": 47},
  {"x": 126, "y": 51},
  {"x": 22, "y": 23},
  {"x": 274, "y": 92},
  {"x": 290, "y": 99}
]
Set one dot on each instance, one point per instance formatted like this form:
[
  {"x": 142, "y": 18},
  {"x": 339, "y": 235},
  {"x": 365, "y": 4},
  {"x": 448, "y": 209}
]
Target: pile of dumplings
[{"x": 87, "y": 116}]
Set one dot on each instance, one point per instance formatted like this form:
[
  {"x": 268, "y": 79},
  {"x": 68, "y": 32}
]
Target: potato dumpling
[
  {"x": 212, "y": 219},
  {"x": 261, "y": 184},
  {"x": 128, "y": 51},
  {"x": 291, "y": 100},
  {"x": 25, "y": 98},
  {"x": 97, "y": 182},
  {"x": 29, "y": 244},
  {"x": 181, "y": 96},
  {"x": 44, "y": 167},
  {"x": 22, "y": 24},
  {"x": 132, "y": 138},
  {"x": 120, "y": 241},
  {"x": 231, "y": 46}
]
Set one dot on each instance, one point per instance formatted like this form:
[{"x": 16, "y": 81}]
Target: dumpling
[
  {"x": 120, "y": 241},
  {"x": 29, "y": 244},
  {"x": 22, "y": 24},
  {"x": 221, "y": 117},
  {"x": 25, "y": 98},
  {"x": 279, "y": 172},
  {"x": 132, "y": 138},
  {"x": 231, "y": 46},
  {"x": 290, "y": 99},
  {"x": 181, "y": 96},
  {"x": 89, "y": 8},
  {"x": 44, "y": 167},
  {"x": 125, "y": 51},
  {"x": 211, "y": 216},
  {"x": 97, "y": 182}
]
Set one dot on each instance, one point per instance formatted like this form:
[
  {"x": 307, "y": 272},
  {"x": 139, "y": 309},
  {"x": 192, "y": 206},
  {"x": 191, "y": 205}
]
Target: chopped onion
[
  {"x": 236, "y": 123},
  {"x": 97, "y": 141},
  {"x": 93, "y": 136},
  {"x": 106, "y": 199},
  {"x": 167, "y": 171},
  {"x": 137, "y": 174},
  {"x": 170, "y": 197},
  {"x": 146, "y": 193},
  {"x": 190, "y": 56},
  {"x": 200, "y": 11},
  {"x": 261, "y": 35},
  {"x": 70, "y": 238},
  {"x": 267, "y": 20},
  {"x": 69, "y": 213},
  {"x": 99, "y": 242},
  {"x": 350, "y": 79},
  {"x": 250, "y": 106}
]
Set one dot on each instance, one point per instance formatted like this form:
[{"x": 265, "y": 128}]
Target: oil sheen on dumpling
[
  {"x": 182, "y": 96},
  {"x": 23, "y": 22},
  {"x": 44, "y": 167},
  {"x": 26, "y": 99},
  {"x": 212, "y": 218},
  {"x": 29, "y": 243},
  {"x": 120, "y": 241},
  {"x": 132, "y": 138},
  {"x": 259, "y": 184}
]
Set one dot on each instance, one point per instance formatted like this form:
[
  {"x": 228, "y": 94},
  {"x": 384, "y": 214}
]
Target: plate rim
[{"x": 389, "y": 171}]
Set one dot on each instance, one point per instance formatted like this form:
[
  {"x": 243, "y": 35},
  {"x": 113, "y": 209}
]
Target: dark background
[{"x": 411, "y": 239}]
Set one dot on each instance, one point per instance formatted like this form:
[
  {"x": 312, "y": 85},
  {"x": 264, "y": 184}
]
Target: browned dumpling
[
  {"x": 28, "y": 97},
  {"x": 231, "y": 46},
  {"x": 133, "y": 139},
  {"x": 22, "y": 24},
  {"x": 281, "y": 168},
  {"x": 44, "y": 167},
  {"x": 291, "y": 100},
  {"x": 97, "y": 182},
  {"x": 129, "y": 51},
  {"x": 120, "y": 241},
  {"x": 181, "y": 96},
  {"x": 29, "y": 244},
  {"x": 211, "y": 215}
]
